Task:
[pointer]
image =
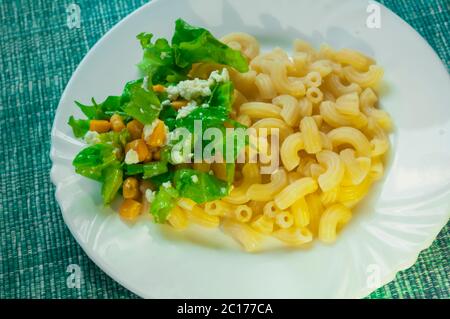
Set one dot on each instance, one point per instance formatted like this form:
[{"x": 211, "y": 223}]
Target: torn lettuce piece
[
  {"x": 101, "y": 111},
  {"x": 79, "y": 127},
  {"x": 116, "y": 139},
  {"x": 222, "y": 96},
  {"x": 157, "y": 62},
  {"x": 143, "y": 104},
  {"x": 165, "y": 199},
  {"x": 193, "y": 45},
  {"x": 199, "y": 186},
  {"x": 112, "y": 180},
  {"x": 91, "y": 161}
]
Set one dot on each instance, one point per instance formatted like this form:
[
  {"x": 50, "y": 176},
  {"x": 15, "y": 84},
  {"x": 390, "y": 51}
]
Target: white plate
[{"x": 401, "y": 217}]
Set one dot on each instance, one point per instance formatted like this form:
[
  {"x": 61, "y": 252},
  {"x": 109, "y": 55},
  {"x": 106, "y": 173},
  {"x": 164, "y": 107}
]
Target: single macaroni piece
[
  {"x": 265, "y": 86},
  {"x": 356, "y": 169},
  {"x": 198, "y": 216},
  {"x": 305, "y": 106},
  {"x": 311, "y": 135},
  {"x": 273, "y": 123},
  {"x": 260, "y": 110},
  {"x": 371, "y": 78},
  {"x": 352, "y": 136},
  {"x": 329, "y": 197},
  {"x": 354, "y": 58},
  {"x": 218, "y": 208},
  {"x": 289, "y": 151},
  {"x": 243, "y": 213},
  {"x": 294, "y": 236},
  {"x": 334, "y": 170},
  {"x": 313, "y": 79},
  {"x": 294, "y": 191},
  {"x": 332, "y": 219},
  {"x": 177, "y": 218},
  {"x": 251, "y": 176},
  {"x": 263, "y": 224},
  {"x": 284, "y": 219},
  {"x": 265, "y": 192},
  {"x": 243, "y": 42},
  {"x": 270, "y": 210},
  {"x": 290, "y": 112},
  {"x": 334, "y": 84},
  {"x": 348, "y": 104},
  {"x": 334, "y": 118},
  {"x": 300, "y": 211},
  {"x": 242, "y": 233}
]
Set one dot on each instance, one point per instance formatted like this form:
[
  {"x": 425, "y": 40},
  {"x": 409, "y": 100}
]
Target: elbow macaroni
[{"x": 333, "y": 138}]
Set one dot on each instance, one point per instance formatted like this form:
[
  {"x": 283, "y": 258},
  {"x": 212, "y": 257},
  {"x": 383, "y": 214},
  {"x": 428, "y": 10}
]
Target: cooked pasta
[{"x": 312, "y": 116}]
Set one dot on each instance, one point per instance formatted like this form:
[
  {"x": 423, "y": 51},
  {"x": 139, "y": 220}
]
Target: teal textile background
[{"x": 38, "y": 55}]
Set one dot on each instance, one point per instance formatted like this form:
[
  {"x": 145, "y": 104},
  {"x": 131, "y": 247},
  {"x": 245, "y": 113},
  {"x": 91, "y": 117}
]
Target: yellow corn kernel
[
  {"x": 99, "y": 126},
  {"x": 140, "y": 147},
  {"x": 130, "y": 209},
  {"x": 156, "y": 155},
  {"x": 158, "y": 88},
  {"x": 158, "y": 135},
  {"x": 130, "y": 188},
  {"x": 179, "y": 104},
  {"x": 117, "y": 124},
  {"x": 135, "y": 129}
]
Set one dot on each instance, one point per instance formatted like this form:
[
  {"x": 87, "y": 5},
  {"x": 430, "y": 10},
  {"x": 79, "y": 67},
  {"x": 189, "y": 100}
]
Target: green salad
[{"x": 131, "y": 136}]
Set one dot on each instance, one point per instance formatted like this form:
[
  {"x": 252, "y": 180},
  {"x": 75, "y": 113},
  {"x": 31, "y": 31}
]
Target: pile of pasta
[{"x": 333, "y": 140}]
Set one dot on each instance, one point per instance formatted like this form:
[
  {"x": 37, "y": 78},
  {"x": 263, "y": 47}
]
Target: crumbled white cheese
[
  {"x": 92, "y": 137},
  {"x": 149, "y": 195},
  {"x": 223, "y": 189},
  {"x": 194, "y": 179},
  {"x": 189, "y": 89},
  {"x": 165, "y": 102},
  {"x": 149, "y": 128},
  {"x": 186, "y": 110},
  {"x": 217, "y": 77},
  {"x": 192, "y": 89},
  {"x": 167, "y": 184},
  {"x": 132, "y": 157}
]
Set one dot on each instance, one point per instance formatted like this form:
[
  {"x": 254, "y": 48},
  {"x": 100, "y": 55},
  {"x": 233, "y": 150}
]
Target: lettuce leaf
[
  {"x": 193, "y": 45},
  {"x": 168, "y": 114},
  {"x": 201, "y": 188},
  {"x": 116, "y": 139},
  {"x": 158, "y": 62},
  {"x": 222, "y": 96},
  {"x": 112, "y": 180},
  {"x": 163, "y": 203},
  {"x": 143, "y": 104},
  {"x": 79, "y": 127},
  {"x": 91, "y": 161},
  {"x": 103, "y": 110}
]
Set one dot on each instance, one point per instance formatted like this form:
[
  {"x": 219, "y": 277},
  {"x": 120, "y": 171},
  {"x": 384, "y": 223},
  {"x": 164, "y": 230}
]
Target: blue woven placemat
[{"x": 38, "y": 55}]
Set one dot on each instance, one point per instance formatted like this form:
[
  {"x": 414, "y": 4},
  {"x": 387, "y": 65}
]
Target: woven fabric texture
[{"x": 38, "y": 55}]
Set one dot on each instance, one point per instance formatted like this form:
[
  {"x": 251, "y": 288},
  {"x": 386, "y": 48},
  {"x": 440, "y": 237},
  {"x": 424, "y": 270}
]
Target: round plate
[{"x": 401, "y": 216}]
